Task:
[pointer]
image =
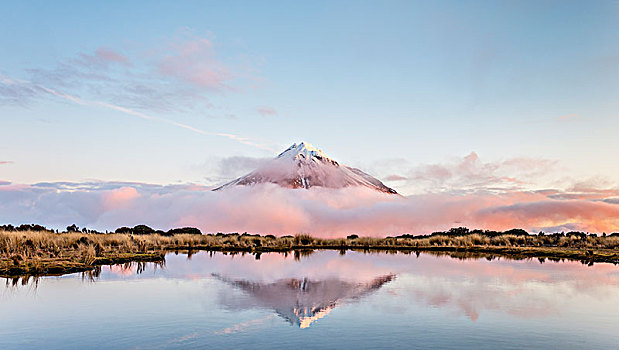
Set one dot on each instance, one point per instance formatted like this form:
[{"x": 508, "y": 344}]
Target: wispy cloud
[
  {"x": 238, "y": 165},
  {"x": 42, "y": 90},
  {"x": 195, "y": 62},
  {"x": 4, "y": 162},
  {"x": 266, "y": 111},
  {"x": 569, "y": 117},
  {"x": 102, "y": 57},
  {"x": 179, "y": 75},
  {"x": 395, "y": 177},
  {"x": 240, "y": 139},
  {"x": 224, "y": 169},
  {"x": 19, "y": 92}
]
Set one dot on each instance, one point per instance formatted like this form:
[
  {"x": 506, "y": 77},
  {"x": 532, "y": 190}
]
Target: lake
[{"x": 326, "y": 299}]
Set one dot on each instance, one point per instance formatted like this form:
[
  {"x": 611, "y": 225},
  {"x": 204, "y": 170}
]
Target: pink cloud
[
  {"x": 270, "y": 209},
  {"x": 395, "y": 177},
  {"x": 103, "y": 57},
  {"x": 195, "y": 62},
  {"x": 119, "y": 198},
  {"x": 177, "y": 74},
  {"x": 328, "y": 213},
  {"x": 109, "y": 55},
  {"x": 3, "y": 162},
  {"x": 591, "y": 216},
  {"x": 470, "y": 173},
  {"x": 569, "y": 117},
  {"x": 266, "y": 111}
]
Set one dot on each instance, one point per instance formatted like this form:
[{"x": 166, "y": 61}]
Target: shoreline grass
[{"x": 49, "y": 253}]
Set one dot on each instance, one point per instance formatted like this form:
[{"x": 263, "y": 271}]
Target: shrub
[
  {"x": 124, "y": 229},
  {"x": 516, "y": 232},
  {"x": 184, "y": 230},
  {"x": 142, "y": 230}
]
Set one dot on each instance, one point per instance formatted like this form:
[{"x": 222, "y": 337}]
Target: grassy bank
[{"x": 45, "y": 252}]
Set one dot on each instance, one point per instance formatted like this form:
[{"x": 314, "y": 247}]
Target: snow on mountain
[{"x": 304, "y": 166}]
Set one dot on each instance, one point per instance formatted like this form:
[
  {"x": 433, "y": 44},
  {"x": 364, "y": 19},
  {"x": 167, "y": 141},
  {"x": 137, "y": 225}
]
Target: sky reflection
[
  {"x": 216, "y": 295},
  {"x": 471, "y": 287}
]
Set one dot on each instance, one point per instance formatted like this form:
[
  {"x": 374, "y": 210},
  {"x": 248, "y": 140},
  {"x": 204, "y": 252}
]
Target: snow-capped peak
[
  {"x": 305, "y": 166},
  {"x": 305, "y": 150}
]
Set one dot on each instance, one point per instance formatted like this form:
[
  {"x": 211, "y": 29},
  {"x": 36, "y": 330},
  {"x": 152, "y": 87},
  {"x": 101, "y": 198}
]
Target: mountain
[{"x": 304, "y": 166}]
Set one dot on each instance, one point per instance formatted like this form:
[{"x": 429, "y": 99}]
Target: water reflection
[
  {"x": 306, "y": 286},
  {"x": 139, "y": 267},
  {"x": 16, "y": 281},
  {"x": 93, "y": 275},
  {"x": 303, "y": 301},
  {"x": 355, "y": 299}
]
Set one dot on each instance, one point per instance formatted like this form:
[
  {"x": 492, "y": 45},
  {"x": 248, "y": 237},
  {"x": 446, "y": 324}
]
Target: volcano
[{"x": 305, "y": 166}]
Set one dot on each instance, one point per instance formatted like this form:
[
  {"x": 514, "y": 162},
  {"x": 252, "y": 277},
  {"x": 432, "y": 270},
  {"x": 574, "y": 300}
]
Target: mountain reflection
[
  {"x": 303, "y": 301},
  {"x": 303, "y": 288}
]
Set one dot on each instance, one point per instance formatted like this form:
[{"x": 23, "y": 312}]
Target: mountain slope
[{"x": 304, "y": 166}]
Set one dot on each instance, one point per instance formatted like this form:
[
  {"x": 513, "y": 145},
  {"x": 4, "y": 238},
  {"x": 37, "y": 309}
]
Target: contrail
[{"x": 129, "y": 111}]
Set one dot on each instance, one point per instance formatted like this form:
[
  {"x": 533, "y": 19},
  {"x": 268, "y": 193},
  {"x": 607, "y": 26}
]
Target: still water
[{"x": 323, "y": 300}]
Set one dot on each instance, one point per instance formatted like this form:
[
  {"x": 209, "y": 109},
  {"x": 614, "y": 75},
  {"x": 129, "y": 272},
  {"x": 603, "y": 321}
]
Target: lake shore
[{"x": 38, "y": 253}]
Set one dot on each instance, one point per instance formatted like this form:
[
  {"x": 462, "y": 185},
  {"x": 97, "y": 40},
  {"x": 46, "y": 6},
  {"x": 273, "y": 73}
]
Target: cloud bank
[
  {"x": 270, "y": 209},
  {"x": 470, "y": 174}
]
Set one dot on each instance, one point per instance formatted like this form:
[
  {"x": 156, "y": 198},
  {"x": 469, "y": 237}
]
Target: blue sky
[{"x": 388, "y": 86}]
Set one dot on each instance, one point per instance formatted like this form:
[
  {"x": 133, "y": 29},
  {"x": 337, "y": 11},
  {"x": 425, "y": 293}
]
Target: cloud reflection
[{"x": 471, "y": 288}]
